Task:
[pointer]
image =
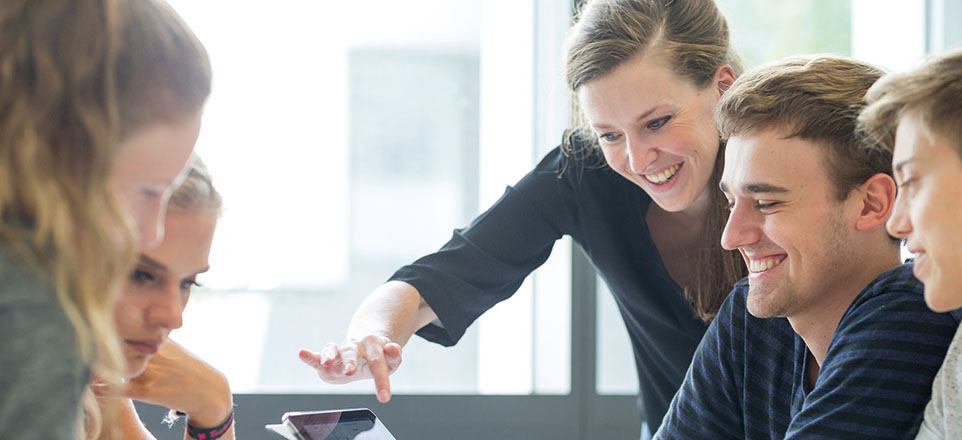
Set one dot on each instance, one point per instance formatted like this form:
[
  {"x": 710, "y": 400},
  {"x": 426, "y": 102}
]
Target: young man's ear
[
  {"x": 724, "y": 77},
  {"x": 878, "y": 198}
]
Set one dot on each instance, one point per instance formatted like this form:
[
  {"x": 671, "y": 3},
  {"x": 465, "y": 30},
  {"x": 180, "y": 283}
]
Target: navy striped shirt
[{"x": 747, "y": 378}]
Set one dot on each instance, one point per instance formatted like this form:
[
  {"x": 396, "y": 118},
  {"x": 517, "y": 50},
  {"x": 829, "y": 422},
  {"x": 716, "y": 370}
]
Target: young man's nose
[
  {"x": 898, "y": 225},
  {"x": 741, "y": 228}
]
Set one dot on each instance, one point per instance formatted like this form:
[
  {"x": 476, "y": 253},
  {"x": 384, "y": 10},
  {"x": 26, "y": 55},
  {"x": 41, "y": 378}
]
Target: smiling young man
[
  {"x": 829, "y": 336},
  {"x": 918, "y": 117}
]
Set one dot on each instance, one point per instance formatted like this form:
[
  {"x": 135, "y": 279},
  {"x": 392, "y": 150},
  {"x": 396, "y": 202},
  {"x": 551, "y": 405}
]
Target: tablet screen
[{"x": 359, "y": 424}]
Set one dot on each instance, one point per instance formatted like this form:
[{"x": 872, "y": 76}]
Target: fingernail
[{"x": 383, "y": 396}]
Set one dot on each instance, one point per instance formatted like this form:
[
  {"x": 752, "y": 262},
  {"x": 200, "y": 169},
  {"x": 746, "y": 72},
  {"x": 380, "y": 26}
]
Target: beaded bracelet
[{"x": 210, "y": 433}]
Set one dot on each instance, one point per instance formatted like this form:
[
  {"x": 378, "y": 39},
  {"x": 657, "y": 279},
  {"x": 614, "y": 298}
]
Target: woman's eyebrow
[{"x": 147, "y": 261}]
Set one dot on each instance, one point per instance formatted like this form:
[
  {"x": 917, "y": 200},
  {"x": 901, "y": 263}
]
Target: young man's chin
[
  {"x": 763, "y": 303},
  {"x": 941, "y": 299}
]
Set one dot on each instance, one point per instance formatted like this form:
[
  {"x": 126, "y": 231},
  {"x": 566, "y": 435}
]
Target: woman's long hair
[
  {"x": 693, "y": 35},
  {"x": 76, "y": 78}
]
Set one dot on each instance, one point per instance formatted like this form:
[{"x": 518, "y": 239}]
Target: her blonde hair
[
  {"x": 933, "y": 91},
  {"x": 76, "y": 78},
  {"x": 693, "y": 35},
  {"x": 197, "y": 192}
]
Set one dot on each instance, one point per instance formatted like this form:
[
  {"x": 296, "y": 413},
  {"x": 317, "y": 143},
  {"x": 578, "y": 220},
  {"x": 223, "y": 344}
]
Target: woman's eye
[
  {"x": 608, "y": 137},
  {"x": 186, "y": 285},
  {"x": 141, "y": 276},
  {"x": 730, "y": 205},
  {"x": 151, "y": 194},
  {"x": 658, "y": 123}
]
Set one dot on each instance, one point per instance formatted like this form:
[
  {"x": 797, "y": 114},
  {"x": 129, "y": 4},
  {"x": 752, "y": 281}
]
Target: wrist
[
  {"x": 211, "y": 433},
  {"x": 211, "y": 414}
]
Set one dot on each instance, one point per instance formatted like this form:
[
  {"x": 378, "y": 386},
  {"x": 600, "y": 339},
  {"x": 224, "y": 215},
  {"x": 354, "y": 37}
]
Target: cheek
[
  {"x": 126, "y": 317},
  {"x": 615, "y": 158}
]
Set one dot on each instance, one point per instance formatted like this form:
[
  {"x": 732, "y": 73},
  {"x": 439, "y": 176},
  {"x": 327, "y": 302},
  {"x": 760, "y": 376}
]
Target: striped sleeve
[
  {"x": 877, "y": 374},
  {"x": 708, "y": 405}
]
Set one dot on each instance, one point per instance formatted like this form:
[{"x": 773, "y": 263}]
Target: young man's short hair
[
  {"x": 933, "y": 91},
  {"x": 815, "y": 98}
]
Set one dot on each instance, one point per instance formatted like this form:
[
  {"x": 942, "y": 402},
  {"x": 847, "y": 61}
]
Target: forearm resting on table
[
  {"x": 394, "y": 310},
  {"x": 132, "y": 428}
]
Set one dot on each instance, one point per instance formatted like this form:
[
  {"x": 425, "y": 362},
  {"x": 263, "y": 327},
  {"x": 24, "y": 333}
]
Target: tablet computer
[{"x": 344, "y": 424}]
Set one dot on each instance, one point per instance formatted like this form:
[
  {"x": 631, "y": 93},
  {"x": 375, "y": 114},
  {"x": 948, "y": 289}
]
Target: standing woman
[
  {"x": 100, "y": 106},
  {"x": 647, "y": 75}
]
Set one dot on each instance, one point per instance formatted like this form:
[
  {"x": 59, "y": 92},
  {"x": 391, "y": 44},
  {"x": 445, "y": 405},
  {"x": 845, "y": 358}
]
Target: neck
[
  {"x": 817, "y": 324},
  {"x": 694, "y": 216}
]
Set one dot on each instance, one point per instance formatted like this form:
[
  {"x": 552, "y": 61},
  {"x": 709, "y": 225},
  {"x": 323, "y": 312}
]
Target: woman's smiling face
[{"x": 655, "y": 128}]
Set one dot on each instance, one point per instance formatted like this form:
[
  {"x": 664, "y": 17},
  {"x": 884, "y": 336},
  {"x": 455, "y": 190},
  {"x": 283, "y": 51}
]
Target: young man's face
[
  {"x": 786, "y": 222},
  {"x": 928, "y": 210}
]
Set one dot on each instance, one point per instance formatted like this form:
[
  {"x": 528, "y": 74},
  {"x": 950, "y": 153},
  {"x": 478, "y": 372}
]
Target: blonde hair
[
  {"x": 817, "y": 98},
  {"x": 77, "y": 77},
  {"x": 197, "y": 192},
  {"x": 693, "y": 35},
  {"x": 933, "y": 91}
]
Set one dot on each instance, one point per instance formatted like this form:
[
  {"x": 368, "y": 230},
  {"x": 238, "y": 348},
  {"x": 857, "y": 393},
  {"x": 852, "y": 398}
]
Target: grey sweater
[{"x": 41, "y": 373}]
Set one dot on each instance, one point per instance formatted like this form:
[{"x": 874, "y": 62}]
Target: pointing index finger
[{"x": 379, "y": 369}]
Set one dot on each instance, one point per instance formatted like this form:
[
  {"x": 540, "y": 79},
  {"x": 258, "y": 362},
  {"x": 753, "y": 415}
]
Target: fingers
[
  {"x": 310, "y": 358},
  {"x": 349, "y": 358},
  {"x": 392, "y": 352},
  {"x": 373, "y": 350},
  {"x": 373, "y": 356},
  {"x": 329, "y": 354}
]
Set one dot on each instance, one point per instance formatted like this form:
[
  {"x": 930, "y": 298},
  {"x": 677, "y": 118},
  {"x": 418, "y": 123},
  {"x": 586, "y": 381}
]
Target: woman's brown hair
[{"x": 693, "y": 35}]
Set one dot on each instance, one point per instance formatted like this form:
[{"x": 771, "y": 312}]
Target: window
[
  {"x": 349, "y": 138},
  {"x": 347, "y": 141}
]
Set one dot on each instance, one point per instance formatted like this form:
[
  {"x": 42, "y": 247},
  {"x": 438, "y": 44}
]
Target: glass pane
[
  {"x": 345, "y": 137},
  {"x": 346, "y": 144}
]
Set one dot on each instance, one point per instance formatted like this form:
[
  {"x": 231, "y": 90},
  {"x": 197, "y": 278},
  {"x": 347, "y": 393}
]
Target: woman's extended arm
[{"x": 382, "y": 324}]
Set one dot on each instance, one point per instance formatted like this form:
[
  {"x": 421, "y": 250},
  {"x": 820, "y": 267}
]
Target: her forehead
[{"x": 186, "y": 246}]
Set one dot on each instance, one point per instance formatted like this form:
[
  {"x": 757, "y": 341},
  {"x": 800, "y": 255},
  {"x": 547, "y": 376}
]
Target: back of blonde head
[
  {"x": 197, "y": 192},
  {"x": 76, "y": 76}
]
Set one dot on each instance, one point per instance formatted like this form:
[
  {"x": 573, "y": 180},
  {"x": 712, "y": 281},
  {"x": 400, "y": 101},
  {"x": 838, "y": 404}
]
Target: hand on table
[
  {"x": 369, "y": 357},
  {"x": 179, "y": 380}
]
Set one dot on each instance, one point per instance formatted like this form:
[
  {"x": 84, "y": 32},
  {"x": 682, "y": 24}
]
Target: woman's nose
[
  {"x": 640, "y": 154},
  {"x": 167, "y": 309}
]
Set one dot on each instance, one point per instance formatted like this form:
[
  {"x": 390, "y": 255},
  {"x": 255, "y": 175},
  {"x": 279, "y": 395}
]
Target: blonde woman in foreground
[
  {"x": 918, "y": 116},
  {"x": 100, "y": 105}
]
